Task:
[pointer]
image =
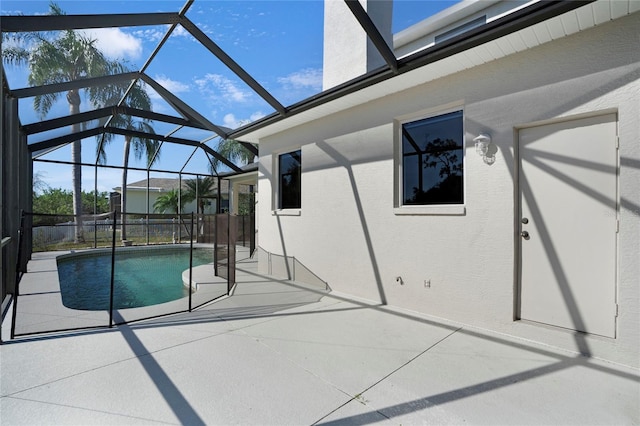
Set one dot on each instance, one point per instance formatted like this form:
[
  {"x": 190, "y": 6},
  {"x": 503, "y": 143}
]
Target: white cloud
[
  {"x": 256, "y": 116},
  {"x": 173, "y": 86},
  {"x": 115, "y": 43},
  {"x": 218, "y": 86},
  {"x": 232, "y": 122},
  {"x": 303, "y": 79},
  {"x": 179, "y": 31},
  {"x": 256, "y": 33},
  {"x": 153, "y": 34},
  {"x": 159, "y": 106}
]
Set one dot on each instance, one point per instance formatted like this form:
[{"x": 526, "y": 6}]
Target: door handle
[{"x": 525, "y": 235}]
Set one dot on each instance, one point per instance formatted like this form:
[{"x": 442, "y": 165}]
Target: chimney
[{"x": 348, "y": 52}]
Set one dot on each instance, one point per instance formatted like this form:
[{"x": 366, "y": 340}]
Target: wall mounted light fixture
[{"x": 482, "y": 142}]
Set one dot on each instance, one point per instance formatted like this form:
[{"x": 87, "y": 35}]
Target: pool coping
[
  {"x": 41, "y": 286},
  {"x": 101, "y": 250}
]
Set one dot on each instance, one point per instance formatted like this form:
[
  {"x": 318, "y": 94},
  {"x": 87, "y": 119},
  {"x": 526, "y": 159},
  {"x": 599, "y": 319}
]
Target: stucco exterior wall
[
  {"x": 347, "y": 233},
  {"x": 137, "y": 202}
]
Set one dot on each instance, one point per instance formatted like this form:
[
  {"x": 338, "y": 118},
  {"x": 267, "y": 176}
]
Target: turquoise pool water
[{"x": 142, "y": 278}]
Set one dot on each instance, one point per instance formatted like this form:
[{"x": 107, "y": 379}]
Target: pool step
[{"x": 202, "y": 275}]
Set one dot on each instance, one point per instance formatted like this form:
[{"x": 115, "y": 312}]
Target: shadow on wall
[{"x": 342, "y": 161}]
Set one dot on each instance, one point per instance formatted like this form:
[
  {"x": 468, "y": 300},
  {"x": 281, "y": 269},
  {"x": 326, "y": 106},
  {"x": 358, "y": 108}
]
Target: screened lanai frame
[
  {"x": 14, "y": 135},
  {"x": 190, "y": 117}
]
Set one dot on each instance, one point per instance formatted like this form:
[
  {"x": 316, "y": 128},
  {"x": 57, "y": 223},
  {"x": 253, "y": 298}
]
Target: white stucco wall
[{"x": 347, "y": 233}]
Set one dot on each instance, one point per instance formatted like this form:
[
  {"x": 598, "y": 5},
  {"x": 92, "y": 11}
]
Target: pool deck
[{"x": 278, "y": 352}]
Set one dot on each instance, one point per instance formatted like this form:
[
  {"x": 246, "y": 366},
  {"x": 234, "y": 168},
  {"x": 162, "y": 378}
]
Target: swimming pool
[{"x": 142, "y": 277}]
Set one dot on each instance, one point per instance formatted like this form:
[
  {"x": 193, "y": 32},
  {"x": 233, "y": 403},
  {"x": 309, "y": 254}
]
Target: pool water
[{"x": 141, "y": 278}]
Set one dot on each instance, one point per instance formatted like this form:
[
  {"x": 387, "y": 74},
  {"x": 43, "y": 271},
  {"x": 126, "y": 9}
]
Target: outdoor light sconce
[{"x": 482, "y": 142}]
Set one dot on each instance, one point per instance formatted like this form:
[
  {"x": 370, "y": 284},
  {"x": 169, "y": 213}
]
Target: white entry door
[{"x": 568, "y": 224}]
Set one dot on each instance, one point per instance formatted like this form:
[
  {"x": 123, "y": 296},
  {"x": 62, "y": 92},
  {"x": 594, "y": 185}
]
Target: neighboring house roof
[{"x": 157, "y": 184}]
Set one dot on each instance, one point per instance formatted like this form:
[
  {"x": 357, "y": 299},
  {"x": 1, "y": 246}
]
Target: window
[
  {"x": 432, "y": 160},
  {"x": 289, "y": 173}
]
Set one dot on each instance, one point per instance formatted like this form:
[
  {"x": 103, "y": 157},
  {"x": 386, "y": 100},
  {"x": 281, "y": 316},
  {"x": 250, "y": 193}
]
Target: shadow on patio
[{"x": 278, "y": 352}]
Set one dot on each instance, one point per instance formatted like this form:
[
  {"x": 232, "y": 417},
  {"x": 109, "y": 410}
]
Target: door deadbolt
[{"x": 525, "y": 220}]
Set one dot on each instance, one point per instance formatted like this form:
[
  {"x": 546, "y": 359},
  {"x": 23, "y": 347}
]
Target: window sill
[
  {"x": 453, "y": 210},
  {"x": 286, "y": 212}
]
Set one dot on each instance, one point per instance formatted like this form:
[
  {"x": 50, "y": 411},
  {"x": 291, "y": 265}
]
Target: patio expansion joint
[
  {"x": 110, "y": 364},
  {"x": 359, "y": 396},
  {"x": 261, "y": 342},
  {"x": 90, "y": 410}
]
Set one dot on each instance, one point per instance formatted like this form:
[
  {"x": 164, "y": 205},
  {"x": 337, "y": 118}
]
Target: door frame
[{"x": 517, "y": 225}]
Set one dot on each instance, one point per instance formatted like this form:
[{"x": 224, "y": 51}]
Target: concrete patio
[{"x": 278, "y": 352}]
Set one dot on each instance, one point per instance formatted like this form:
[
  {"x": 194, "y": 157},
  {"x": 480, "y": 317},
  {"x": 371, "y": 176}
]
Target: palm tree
[
  {"x": 137, "y": 98},
  {"x": 38, "y": 183},
  {"x": 200, "y": 189},
  {"x": 233, "y": 151},
  {"x": 68, "y": 56},
  {"x": 169, "y": 201}
]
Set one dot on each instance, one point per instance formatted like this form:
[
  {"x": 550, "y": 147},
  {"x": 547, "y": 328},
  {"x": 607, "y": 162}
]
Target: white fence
[
  {"x": 103, "y": 229},
  {"x": 64, "y": 232}
]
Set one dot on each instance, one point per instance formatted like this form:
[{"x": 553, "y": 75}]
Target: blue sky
[{"x": 278, "y": 42}]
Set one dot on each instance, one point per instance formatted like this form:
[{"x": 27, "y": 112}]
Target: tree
[
  {"x": 101, "y": 202},
  {"x": 233, "y": 151},
  {"x": 441, "y": 155},
  {"x": 246, "y": 203},
  {"x": 65, "y": 56},
  {"x": 142, "y": 146},
  {"x": 200, "y": 189},
  {"x": 169, "y": 201},
  {"x": 39, "y": 184},
  {"x": 53, "y": 201},
  {"x": 60, "y": 202}
]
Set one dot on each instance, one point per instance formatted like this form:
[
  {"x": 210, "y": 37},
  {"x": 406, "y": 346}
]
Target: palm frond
[
  {"x": 15, "y": 55},
  {"x": 42, "y": 103},
  {"x": 233, "y": 151},
  {"x": 101, "y": 154},
  {"x": 55, "y": 9},
  {"x": 138, "y": 98},
  {"x": 200, "y": 189},
  {"x": 170, "y": 201}
]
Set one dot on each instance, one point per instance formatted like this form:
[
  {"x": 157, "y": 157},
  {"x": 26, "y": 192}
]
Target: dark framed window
[
  {"x": 432, "y": 160},
  {"x": 289, "y": 170}
]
